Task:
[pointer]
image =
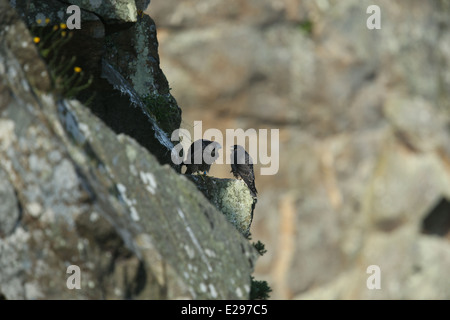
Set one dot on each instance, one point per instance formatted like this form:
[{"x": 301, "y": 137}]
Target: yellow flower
[
  {"x": 38, "y": 21},
  {"x": 47, "y": 20},
  {"x": 63, "y": 33},
  {"x": 77, "y": 69},
  {"x": 36, "y": 39},
  {"x": 55, "y": 27},
  {"x": 62, "y": 25}
]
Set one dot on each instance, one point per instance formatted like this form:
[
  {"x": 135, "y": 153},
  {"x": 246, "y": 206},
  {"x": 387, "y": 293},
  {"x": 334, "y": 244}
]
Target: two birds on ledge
[{"x": 202, "y": 153}]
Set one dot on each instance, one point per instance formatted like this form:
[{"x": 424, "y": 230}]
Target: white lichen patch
[
  {"x": 129, "y": 202},
  {"x": 140, "y": 65},
  {"x": 134, "y": 214},
  {"x": 12, "y": 72},
  {"x": 25, "y": 85},
  {"x": 19, "y": 236},
  {"x": 203, "y": 287},
  {"x": 213, "y": 291},
  {"x": 149, "y": 180},
  {"x": 34, "y": 209},
  {"x": 32, "y": 291},
  {"x": 121, "y": 188},
  {"x": 235, "y": 202},
  {"x": 65, "y": 177},
  {"x": 132, "y": 169},
  {"x": 94, "y": 216},
  {"x": 80, "y": 245},
  {"x": 210, "y": 253},
  {"x": 239, "y": 292},
  {"x": 131, "y": 153},
  {"x": 190, "y": 252},
  {"x": 7, "y": 135},
  {"x": 84, "y": 128}
]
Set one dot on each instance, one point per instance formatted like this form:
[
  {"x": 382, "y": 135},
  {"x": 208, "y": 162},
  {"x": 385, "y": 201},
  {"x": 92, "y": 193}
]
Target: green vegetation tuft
[
  {"x": 260, "y": 247},
  {"x": 68, "y": 79},
  {"x": 306, "y": 26},
  {"x": 259, "y": 290},
  {"x": 164, "y": 109}
]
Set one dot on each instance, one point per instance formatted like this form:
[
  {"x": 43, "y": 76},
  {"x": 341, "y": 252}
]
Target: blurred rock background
[{"x": 363, "y": 116}]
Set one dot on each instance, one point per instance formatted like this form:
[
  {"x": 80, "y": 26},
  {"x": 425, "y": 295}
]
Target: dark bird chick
[
  {"x": 242, "y": 167},
  {"x": 201, "y": 155}
]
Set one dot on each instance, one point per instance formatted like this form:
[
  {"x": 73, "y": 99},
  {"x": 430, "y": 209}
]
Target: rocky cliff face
[
  {"x": 94, "y": 187},
  {"x": 364, "y": 133}
]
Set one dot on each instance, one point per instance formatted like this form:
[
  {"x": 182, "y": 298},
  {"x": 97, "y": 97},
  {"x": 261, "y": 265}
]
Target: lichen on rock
[{"x": 230, "y": 196}]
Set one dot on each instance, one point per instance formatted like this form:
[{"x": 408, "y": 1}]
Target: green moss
[
  {"x": 165, "y": 111},
  {"x": 306, "y": 26}
]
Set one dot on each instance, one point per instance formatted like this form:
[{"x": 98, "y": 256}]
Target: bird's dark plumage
[
  {"x": 201, "y": 155},
  {"x": 242, "y": 166}
]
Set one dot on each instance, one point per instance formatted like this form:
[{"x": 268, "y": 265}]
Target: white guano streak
[{"x": 194, "y": 240}]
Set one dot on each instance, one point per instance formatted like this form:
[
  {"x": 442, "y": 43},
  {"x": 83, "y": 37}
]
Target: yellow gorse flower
[
  {"x": 63, "y": 33},
  {"x": 47, "y": 20},
  {"x": 62, "y": 25},
  {"x": 36, "y": 39},
  {"x": 77, "y": 69},
  {"x": 38, "y": 21},
  {"x": 55, "y": 27}
]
